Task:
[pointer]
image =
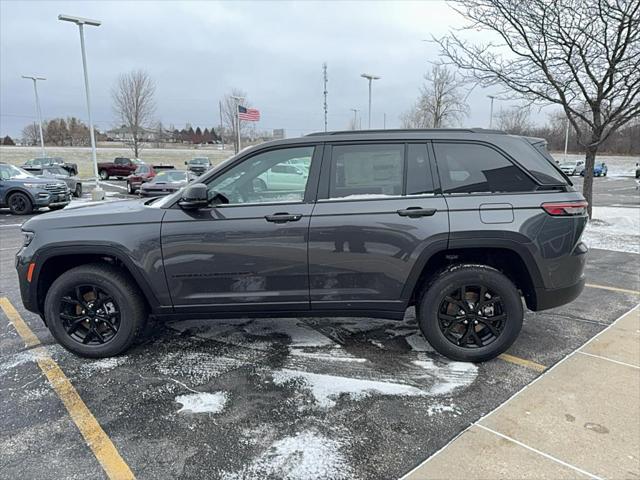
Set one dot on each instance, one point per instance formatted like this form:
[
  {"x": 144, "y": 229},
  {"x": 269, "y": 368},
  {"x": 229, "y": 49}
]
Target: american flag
[{"x": 248, "y": 114}]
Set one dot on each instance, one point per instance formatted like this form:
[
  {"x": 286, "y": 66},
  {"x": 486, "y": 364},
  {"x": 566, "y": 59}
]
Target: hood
[
  {"x": 153, "y": 185},
  {"x": 115, "y": 213},
  {"x": 38, "y": 180}
]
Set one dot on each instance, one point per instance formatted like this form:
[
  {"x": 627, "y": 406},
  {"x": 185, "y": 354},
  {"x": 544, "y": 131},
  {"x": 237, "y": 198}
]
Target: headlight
[
  {"x": 33, "y": 185},
  {"x": 28, "y": 237}
]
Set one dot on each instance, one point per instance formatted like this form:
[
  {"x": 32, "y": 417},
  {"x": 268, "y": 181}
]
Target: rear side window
[
  {"x": 366, "y": 170},
  {"x": 472, "y": 168}
]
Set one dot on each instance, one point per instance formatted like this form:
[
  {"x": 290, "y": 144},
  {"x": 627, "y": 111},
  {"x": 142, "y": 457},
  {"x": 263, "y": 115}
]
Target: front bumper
[{"x": 42, "y": 199}]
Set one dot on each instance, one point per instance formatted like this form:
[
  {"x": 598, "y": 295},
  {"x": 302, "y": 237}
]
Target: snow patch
[
  {"x": 202, "y": 402},
  {"x": 449, "y": 377},
  {"x": 614, "y": 228},
  {"x": 306, "y": 455},
  {"x": 17, "y": 359},
  {"x": 326, "y": 388},
  {"x": 103, "y": 365}
]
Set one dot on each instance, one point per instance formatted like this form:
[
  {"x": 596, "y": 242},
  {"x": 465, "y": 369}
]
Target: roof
[{"x": 408, "y": 131}]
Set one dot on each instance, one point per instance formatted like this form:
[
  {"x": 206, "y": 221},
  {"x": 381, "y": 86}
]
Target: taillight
[{"x": 564, "y": 209}]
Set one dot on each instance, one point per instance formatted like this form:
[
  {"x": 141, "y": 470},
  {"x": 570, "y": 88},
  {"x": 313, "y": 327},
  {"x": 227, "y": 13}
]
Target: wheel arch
[
  {"x": 510, "y": 258},
  {"x": 54, "y": 261}
]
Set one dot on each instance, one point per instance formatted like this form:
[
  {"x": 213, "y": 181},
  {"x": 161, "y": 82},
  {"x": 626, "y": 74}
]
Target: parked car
[
  {"x": 72, "y": 168},
  {"x": 461, "y": 224},
  {"x": 120, "y": 167},
  {"x": 166, "y": 182},
  {"x": 572, "y": 168},
  {"x": 198, "y": 165},
  {"x": 599, "y": 170},
  {"x": 23, "y": 192},
  {"x": 55, "y": 171},
  {"x": 143, "y": 174}
]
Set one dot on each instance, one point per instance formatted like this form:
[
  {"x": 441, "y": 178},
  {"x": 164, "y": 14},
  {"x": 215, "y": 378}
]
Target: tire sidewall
[
  {"x": 126, "y": 331},
  {"x": 448, "y": 281}
]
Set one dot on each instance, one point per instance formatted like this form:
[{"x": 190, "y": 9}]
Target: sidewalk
[{"x": 579, "y": 420}]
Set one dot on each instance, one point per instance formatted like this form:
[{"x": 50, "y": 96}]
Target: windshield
[
  {"x": 142, "y": 169},
  {"x": 170, "y": 177},
  {"x": 10, "y": 172},
  {"x": 199, "y": 161}
]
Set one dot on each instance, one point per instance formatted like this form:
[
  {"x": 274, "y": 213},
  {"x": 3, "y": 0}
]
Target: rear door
[{"x": 379, "y": 214}]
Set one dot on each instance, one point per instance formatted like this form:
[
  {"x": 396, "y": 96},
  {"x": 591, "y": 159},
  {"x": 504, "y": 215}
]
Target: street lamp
[
  {"x": 491, "y": 111},
  {"x": 38, "y": 111},
  {"x": 370, "y": 77},
  {"x": 98, "y": 193}
]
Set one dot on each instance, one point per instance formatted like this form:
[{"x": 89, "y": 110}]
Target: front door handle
[
  {"x": 414, "y": 212},
  {"x": 283, "y": 217}
]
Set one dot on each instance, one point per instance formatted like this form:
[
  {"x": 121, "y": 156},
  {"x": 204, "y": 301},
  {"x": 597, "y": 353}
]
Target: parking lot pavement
[{"x": 278, "y": 398}]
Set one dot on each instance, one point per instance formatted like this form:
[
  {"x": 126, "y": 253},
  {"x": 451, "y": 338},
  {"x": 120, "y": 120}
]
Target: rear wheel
[
  {"x": 20, "y": 204},
  {"x": 95, "y": 310},
  {"x": 78, "y": 191},
  {"x": 104, "y": 175},
  {"x": 471, "y": 313}
]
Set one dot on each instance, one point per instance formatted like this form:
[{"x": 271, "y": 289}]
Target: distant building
[
  {"x": 123, "y": 134},
  {"x": 278, "y": 133}
]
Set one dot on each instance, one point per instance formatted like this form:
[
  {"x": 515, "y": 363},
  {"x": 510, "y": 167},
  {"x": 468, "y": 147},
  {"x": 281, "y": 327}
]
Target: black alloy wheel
[
  {"x": 20, "y": 204},
  {"x": 472, "y": 316},
  {"x": 89, "y": 315}
]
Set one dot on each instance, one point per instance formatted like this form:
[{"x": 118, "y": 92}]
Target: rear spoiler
[{"x": 162, "y": 166}]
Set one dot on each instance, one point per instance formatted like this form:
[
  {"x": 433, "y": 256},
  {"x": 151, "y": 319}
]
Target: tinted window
[
  {"x": 468, "y": 168},
  {"x": 419, "y": 178},
  {"x": 366, "y": 170},
  {"x": 264, "y": 178}
]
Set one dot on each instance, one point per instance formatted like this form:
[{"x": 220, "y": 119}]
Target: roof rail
[{"x": 406, "y": 130}]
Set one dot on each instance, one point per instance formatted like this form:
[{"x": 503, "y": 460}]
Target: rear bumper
[{"x": 555, "y": 297}]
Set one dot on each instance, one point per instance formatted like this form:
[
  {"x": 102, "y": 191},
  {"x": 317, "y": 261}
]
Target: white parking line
[{"x": 114, "y": 185}]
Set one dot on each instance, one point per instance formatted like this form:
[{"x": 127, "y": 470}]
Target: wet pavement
[{"x": 276, "y": 398}]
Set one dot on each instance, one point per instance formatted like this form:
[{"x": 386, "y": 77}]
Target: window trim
[{"x": 501, "y": 152}]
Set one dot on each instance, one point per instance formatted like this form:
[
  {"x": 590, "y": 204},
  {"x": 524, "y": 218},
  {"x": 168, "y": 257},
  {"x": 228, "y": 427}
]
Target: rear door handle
[
  {"x": 283, "y": 217},
  {"x": 414, "y": 212}
]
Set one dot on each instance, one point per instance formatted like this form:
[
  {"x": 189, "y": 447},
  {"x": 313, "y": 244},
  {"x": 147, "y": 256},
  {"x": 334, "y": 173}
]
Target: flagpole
[{"x": 238, "y": 100}]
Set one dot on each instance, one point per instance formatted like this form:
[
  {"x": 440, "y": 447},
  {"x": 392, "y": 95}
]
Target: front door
[
  {"x": 379, "y": 214},
  {"x": 247, "y": 254}
]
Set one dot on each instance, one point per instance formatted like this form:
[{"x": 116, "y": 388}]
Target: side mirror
[{"x": 194, "y": 197}]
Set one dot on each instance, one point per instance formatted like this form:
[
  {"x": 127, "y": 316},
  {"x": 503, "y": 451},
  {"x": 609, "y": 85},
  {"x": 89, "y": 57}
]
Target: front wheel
[
  {"x": 130, "y": 189},
  {"x": 95, "y": 310},
  {"x": 470, "y": 313},
  {"x": 104, "y": 175},
  {"x": 20, "y": 204}
]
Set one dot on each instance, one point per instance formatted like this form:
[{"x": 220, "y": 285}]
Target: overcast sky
[{"x": 197, "y": 51}]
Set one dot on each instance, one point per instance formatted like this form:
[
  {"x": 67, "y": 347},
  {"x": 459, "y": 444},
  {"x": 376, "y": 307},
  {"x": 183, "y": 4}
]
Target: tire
[
  {"x": 78, "y": 191},
  {"x": 259, "y": 185},
  {"x": 104, "y": 175},
  {"x": 115, "y": 284},
  {"x": 20, "y": 203},
  {"x": 130, "y": 189},
  {"x": 509, "y": 306}
]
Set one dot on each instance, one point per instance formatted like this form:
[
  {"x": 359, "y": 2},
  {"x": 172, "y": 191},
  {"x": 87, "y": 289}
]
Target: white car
[{"x": 572, "y": 168}]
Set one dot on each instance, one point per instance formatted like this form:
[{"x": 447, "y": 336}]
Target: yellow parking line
[
  {"x": 613, "y": 289},
  {"x": 98, "y": 441},
  {"x": 522, "y": 362}
]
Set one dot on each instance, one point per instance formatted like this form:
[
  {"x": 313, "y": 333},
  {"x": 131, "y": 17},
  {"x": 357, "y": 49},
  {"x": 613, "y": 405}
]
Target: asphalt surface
[{"x": 288, "y": 398}]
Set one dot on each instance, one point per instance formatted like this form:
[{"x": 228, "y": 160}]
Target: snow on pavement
[
  {"x": 202, "y": 402},
  {"x": 614, "y": 228}
]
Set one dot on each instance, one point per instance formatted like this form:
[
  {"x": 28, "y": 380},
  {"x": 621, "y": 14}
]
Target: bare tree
[
  {"x": 31, "y": 134},
  {"x": 581, "y": 55},
  {"x": 441, "y": 102},
  {"x": 515, "y": 120},
  {"x": 229, "y": 105},
  {"x": 134, "y": 103}
]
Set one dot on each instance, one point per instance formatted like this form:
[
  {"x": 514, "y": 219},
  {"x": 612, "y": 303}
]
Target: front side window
[
  {"x": 265, "y": 178},
  {"x": 474, "y": 168},
  {"x": 366, "y": 171}
]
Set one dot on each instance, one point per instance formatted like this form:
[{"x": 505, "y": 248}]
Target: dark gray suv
[{"x": 461, "y": 224}]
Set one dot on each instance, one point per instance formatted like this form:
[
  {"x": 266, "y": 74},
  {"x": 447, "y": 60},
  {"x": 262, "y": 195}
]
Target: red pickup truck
[{"x": 120, "y": 167}]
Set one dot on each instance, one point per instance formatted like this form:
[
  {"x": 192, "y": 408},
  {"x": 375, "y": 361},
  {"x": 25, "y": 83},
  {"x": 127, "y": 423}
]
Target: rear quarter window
[{"x": 476, "y": 168}]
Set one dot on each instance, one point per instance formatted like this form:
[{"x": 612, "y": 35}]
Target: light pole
[
  {"x": 370, "y": 77},
  {"x": 98, "y": 193},
  {"x": 355, "y": 118},
  {"x": 238, "y": 100},
  {"x": 491, "y": 111},
  {"x": 38, "y": 111},
  {"x": 566, "y": 140}
]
